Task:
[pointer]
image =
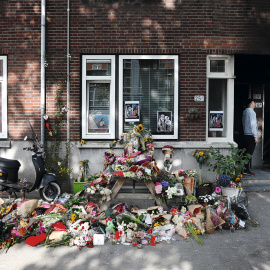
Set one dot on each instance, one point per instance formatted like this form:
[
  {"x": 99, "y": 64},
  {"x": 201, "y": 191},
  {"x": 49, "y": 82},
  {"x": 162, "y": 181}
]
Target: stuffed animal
[
  {"x": 110, "y": 228},
  {"x": 121, "y": 227}
]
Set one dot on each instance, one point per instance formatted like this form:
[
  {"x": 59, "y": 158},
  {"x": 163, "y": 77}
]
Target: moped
[{"x": 45, "y": 182}]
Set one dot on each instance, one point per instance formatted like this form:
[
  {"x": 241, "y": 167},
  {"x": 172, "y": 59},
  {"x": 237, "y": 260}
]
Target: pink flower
[
  {"x": 158, "y": 187},
  {"x": 217, "y": 190}
]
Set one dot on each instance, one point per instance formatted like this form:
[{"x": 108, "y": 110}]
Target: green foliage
[
  {"x": 57, "y": 164},
  {"x": 231, "y": 165},
  {"x": 57, "y": 161},
  {"x": 193, "y": 110}
]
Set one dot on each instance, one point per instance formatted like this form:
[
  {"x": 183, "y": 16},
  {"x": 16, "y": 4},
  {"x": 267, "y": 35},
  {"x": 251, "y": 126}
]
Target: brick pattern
[{"x": 191, "y": 29}]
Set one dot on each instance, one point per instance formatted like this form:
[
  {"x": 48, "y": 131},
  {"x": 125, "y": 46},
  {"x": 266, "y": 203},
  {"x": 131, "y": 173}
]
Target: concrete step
[{"x": 256, "y": 185}]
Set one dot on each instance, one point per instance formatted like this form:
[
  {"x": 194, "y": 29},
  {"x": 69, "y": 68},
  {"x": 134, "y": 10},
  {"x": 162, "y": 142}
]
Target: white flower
[{"x": 171, "y": 191}]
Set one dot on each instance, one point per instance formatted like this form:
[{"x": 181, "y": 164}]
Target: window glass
[
  {"x": 98, "y": 67},
  {"x": 217, "y": 65},
  {"x": 1, "y": 128},
  {"x": 99, "y": 107},
  {"x": 149, "y": 83},
  {"x": 1, "y": 68},
  {"x": 217, "y": 107},
  {"x": 98, "y": 97}
]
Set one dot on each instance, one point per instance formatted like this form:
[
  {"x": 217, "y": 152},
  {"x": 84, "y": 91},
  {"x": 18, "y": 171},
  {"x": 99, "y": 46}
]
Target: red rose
[{"x": 92, "y": 184}]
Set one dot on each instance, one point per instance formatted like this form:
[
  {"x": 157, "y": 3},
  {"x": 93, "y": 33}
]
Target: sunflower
[
  {"x": 82, "y": 142},
  {"x": 200, "y": 154},
  {"x": 140, "y": 126},
  {"x": 237, "y": 179}
]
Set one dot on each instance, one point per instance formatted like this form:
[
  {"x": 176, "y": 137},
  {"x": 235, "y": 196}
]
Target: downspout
[
  {"x": 42, "y": 71},
  {"x": 68, "y": 79},
  {"x": 68, "y": 91}
]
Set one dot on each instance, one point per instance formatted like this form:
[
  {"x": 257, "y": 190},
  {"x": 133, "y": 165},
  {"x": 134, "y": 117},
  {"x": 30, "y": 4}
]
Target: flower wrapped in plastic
[{"x": 212, "y": 220}]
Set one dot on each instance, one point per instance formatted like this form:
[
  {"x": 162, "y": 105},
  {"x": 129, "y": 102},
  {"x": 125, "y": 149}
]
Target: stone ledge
[
  {"x": 159, "y": 145},
  {"x": 5, "y": 144}
]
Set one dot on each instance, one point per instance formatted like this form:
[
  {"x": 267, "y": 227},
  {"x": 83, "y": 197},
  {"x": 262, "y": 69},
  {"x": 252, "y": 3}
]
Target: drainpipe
[
  {"x": 68, "y": 81},
  {"x": 42, "y": 71},
  {"x": 68, "y": 87}
]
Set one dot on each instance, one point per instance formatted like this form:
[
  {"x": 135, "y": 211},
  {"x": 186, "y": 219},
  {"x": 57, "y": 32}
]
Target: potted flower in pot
[
  {"x": 230, "y": 165},
  {"x": 79, "y": 183},
  {"x": 228, "y": 187},
  {"x": 193, "y": 114}
]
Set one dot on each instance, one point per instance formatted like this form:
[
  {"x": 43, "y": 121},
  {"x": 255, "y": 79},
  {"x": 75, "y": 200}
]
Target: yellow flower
[
  {"x": 200, "y": 154},
  {"x": 82, "y": 142},
  {"x": 237, "y": 179},
  {"x": 136, "y": 130},
  {"x": 140, "y": 127},
  {"x": 81, "y": 162},
  {"x": 23, "y": 223},
  {"x": 241, "y": 175}
]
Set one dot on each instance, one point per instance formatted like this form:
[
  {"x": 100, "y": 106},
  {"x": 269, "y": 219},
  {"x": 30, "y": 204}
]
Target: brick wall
[
  {"x": 20, "y": 40},
  {"x": 191, "y": 29}
]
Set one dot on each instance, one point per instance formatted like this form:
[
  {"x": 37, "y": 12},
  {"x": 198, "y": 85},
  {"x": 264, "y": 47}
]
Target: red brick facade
[{"x": 190, "y": 29}]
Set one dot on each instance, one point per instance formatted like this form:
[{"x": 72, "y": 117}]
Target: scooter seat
[{"x": 9, "y": 163}]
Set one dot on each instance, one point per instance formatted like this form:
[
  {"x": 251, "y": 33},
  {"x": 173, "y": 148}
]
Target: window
[
  {"x": 98, "y": 97},
  {"x": 220, "y": 73},
  {"x": 148, "y": 91},
  {"x": 3, "y": 97}
]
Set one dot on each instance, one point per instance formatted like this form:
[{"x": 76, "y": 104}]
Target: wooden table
[{"x": 119, "y": 181}]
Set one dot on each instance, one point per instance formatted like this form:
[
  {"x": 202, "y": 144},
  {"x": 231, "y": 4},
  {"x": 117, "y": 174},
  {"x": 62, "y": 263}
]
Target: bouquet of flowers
[
  {"x": 109, "y": 158},
  {"x": 201, "y": 156},
  {"x": 224, "y": 180},
  {"x": 190, "y": 173}
]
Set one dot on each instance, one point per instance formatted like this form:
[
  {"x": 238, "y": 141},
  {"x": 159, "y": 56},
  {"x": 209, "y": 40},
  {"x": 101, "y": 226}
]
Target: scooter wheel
[{"x": 50, "y": 192}]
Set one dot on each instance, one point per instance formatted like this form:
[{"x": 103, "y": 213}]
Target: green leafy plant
[
  {"x": 193, "y": 110},
  {"x": 231, "y": 165}
]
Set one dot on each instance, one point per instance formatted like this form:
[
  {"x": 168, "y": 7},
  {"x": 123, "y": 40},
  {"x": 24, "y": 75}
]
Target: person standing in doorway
[{"x": 250, "y": 132}]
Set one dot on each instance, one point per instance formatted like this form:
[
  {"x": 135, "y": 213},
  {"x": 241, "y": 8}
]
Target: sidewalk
[{"x": 220, "y": 251}]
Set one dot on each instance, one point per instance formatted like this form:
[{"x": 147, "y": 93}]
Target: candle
[
  {"x": 153, "y": 238},
  {"x": 117, "y": 235}
]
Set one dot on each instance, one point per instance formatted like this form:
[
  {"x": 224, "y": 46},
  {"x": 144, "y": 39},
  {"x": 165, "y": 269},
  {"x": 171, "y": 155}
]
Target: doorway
[
  {"x": 253, "y": 81},
  {"x": 266, "y": 126}
]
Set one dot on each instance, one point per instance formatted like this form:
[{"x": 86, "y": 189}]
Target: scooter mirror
[{"x": 25, "y": 138}]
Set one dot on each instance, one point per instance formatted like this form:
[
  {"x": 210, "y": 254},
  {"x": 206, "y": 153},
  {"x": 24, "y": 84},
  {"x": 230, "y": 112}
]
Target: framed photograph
[
  {"x": 132, "y": 111},
  {"x": 164, "y": 121},
  {"x": 98, "y": 122},
  {"x": 216, "y": 121}
]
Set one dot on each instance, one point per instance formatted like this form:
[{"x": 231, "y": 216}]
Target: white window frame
[
  {"x": 102, "y": 79},
  {"x": 229, "y": 75},
  {"x": 4, "y": 133},
  {"x": 175, "y": 112}
]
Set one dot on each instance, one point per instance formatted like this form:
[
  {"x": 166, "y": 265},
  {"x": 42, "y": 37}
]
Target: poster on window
[
  {"x": 216, "y": 121},
  {"x": 132, "y": 111},
  {"x": 164, "y": 121},
  {"x": 98, "y": 122}
]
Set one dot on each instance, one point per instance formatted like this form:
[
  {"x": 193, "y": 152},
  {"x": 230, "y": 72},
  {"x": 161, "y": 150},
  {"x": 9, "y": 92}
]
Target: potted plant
[
  {"x": 80, "y": 182},
  {"x": 228, "y": 168},
  {"x": 193, "y": 114}
]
